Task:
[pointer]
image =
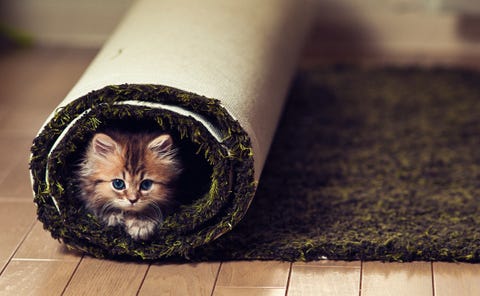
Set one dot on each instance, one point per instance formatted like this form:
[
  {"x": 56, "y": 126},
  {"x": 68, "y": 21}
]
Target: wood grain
[
  {"x": 19, "y": 70},
  {"x": 40, "y": 78},
  {"x": 236, "y": 291},
  {"x": 104, "y": 277},
  {"x": 35, "y": 84},
  {"x": 40, "y": 245},
  {"x": 267, "y": 274},
  {"x": 17, "y": 182},
  {"x": 16, "y": 219},
  {"x": 325, "y": 278},
  {"x": 14, "y": 151},
  {"x": 456, "y": 279},
  {"x": 180, "y": 279},
  {"x": 385, "y": 279},
  {"x": 36, "y": 277}
]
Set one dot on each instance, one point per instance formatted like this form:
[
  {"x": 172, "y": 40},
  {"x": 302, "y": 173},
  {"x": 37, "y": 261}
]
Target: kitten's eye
[
  {"x": 146, "y": 185},
  {"x": 118, "y": 184}
]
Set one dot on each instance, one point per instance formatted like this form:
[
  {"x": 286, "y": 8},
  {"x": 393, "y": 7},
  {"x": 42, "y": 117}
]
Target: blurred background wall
[
  {"x": 79, "y": 23},
  {"x": 429, "y": 27}
]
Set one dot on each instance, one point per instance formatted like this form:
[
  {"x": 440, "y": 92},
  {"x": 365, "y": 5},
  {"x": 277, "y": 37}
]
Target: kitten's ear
[
  {"x": 161, "y": 145},
  {"x": 103, "y": 145}
]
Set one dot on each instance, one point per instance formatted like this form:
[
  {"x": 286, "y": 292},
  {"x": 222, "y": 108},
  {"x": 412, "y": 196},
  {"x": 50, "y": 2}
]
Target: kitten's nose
[{"x": 133, "y": 199}]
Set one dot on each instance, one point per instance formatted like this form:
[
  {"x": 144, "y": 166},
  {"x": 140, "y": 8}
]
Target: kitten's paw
[
  {"x": 113, "y": 219},
  {"x": 140, "y": 229}
]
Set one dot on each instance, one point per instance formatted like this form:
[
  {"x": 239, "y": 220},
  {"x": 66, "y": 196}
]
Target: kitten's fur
[{"x": 132, "y": 158}]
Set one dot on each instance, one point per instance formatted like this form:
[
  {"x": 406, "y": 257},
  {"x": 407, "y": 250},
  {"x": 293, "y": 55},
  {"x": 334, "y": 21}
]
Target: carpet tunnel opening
[{"x": 211, "y": 199}]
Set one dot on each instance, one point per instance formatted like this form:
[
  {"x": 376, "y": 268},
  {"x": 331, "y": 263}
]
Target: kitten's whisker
[
  {"x": 107, "y": 208},
  {"x": 154, "y": 212}
]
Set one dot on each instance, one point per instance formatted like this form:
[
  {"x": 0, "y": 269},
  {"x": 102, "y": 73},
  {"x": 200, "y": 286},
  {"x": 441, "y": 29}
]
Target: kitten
[{"x": 128, "y": 179}]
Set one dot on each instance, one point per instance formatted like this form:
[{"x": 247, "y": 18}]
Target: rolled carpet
[{"x": 214, "y": 74}]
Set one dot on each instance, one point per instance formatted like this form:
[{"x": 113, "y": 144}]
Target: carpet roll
[{"x": 212, "y": 73}]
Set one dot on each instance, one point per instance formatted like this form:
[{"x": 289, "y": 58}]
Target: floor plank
[
  {"x": 14, "y": 153},
  {"x": 17, "y": 182},
  {"x": 236, "y": 291},
  {"x": 325, "y": 278},
  {"x": 34, "y": 91},
  {"x": 386, "y": 279},
  {"x": 104, "y": 277},
  {"x": 40, "y": 78},
  {"x": 267, "y": 274},
  {"x": 40, "y": 245},
  {"x": 456, "y": 279},
  {"x": 16, "y": 219},
  {"x": 21, "y": 69},
  {"x": 36, "y": 277},
  {"x": 180, "y": 279}
]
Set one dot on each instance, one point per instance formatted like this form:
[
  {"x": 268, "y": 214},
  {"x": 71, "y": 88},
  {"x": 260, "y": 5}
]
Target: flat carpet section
[{"x": 368, "y": 164}]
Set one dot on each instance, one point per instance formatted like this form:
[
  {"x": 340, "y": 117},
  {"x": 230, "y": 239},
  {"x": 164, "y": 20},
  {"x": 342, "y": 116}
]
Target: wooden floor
[{"x": 32, "y": 83}]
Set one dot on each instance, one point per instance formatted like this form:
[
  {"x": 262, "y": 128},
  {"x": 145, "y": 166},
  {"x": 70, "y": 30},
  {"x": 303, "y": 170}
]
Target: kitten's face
[{"x": 130, "y": 173}]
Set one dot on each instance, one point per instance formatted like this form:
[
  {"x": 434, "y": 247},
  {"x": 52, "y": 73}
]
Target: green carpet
[{"x": 368, "y": 164}]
